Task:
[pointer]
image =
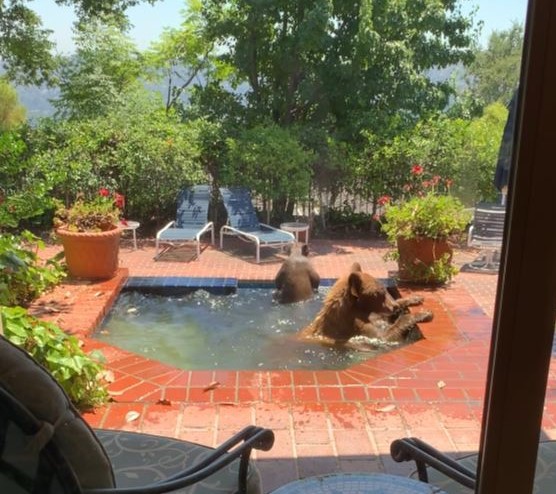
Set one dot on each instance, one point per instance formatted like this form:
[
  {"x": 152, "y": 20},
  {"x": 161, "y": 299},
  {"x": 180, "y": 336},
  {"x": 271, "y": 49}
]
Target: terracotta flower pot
[
  {"x": 418, "y": 255},
  {"x": 91, "y": 255}
]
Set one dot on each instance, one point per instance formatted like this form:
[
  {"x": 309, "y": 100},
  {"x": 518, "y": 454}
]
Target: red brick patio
[{"x": 324, "y": 421}]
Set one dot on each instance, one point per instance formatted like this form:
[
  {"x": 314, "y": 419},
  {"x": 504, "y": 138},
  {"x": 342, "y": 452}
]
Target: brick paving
[{"x": 324, "y": 421}]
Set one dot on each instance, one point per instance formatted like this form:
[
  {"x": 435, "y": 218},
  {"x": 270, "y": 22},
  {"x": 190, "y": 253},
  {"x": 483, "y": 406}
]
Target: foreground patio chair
[
  {"x": 243, "y": 222},
  {"x": 459, "y": 476},
  {"x": 46, "y": 447},
  {"x": 191, "y": 218}
]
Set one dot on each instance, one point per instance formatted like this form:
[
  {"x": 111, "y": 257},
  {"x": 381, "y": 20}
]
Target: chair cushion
[
  {"x": 33, "y": 386},
  {"x": 192, "y": 210},
  {"x": 141, "y": 459}
]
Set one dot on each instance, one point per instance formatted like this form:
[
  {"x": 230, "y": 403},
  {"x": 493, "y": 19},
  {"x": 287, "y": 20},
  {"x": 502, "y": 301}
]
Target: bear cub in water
[{"x": 297, "y": 279}]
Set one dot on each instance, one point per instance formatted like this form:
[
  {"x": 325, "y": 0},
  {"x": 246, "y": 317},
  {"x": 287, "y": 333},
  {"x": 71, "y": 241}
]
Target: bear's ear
[
  {"x": 354, "y": 284},
  {"x": 305, "y": 250},
  {"x": 356, "y": 268}
]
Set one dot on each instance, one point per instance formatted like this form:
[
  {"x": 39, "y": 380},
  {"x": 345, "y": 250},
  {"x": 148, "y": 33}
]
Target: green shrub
[
  {"x": 77, "y": 372},
  {"x": 22, "y": 277},
  {"x": 432, "y": 216}
]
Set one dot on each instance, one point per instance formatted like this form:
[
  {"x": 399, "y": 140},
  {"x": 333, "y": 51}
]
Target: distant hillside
[{"x": 37, "y": 99}]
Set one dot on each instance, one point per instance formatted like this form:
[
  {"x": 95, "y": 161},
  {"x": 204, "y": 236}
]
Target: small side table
[
  {"x": 296, "y": 227},
  {"x": 356, "y": 483},
  {"x": 131, "y": 225}
]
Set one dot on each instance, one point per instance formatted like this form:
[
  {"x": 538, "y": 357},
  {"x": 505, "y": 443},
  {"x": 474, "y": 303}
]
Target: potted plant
[
  {"x": 90, "y": 235},
  {"x": 421, "y": 226}
]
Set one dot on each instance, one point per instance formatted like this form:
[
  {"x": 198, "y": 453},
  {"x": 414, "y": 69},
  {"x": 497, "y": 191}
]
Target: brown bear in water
[
  {"x": 359, "y": 305},
  {"x": 296, "y": 280}
]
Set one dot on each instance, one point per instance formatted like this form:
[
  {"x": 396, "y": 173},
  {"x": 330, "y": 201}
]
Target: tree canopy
[
  {"x": 25, "y": 45},
  {"x": 494, "y": 74},
  {"x": 344, "y": 65},
  {"x": 11, "y": 112}
]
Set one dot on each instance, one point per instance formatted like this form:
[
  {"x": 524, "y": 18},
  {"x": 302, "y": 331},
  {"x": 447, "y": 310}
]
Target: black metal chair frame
[
  {"x": 414, "y": 449},
  {"x": 52, "y": 462}
]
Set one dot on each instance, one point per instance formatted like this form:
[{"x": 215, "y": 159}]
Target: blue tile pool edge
[{"x": 179, "y": 285}]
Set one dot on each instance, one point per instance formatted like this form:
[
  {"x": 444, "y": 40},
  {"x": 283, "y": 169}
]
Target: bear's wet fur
[
  {"x": 360, "y": 305},
  {"x": 297, "y": 279}
]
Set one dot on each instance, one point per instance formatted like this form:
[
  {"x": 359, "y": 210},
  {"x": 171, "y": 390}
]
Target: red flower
[
  {"x": 383, "y": 200},
  {"x": 427, "y": 183},
  {"x": 119, "y": 200},
  {"x": 417, "y": 169},
  {"x": 104, "y": 192}
]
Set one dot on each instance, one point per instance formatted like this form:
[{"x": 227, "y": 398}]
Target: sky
[{"x": 150, "y": 20}]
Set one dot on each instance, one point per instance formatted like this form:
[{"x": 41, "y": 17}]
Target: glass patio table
[{"x": 358, "y": 483}]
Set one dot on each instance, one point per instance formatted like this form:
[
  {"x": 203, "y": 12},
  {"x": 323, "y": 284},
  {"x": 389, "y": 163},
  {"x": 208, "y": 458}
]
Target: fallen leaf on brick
[
  {"x": 131, "y": 416},
  {"x": 98, "y": 294},
  {"x": 107, "y": 375},
  {"x": 441, "y": 384},
  {"x": 387, "y": 408},
  {"x": 211, "y": 386},
  {"x": 164, "y": 402}
]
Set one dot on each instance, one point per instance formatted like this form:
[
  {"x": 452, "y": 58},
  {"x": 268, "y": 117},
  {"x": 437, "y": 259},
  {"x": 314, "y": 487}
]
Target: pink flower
[
  {"x": 417, "y": 169},
  {"x": 383, "y": 200},
  {"x": 435, "y": 179},
  {"x": 449, "y": 182}
]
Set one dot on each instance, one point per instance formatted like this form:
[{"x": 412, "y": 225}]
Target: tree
[
  {"x": 11, "y": 112},
  {"x": 342, "y": 65},
  {"x": 328, "y": 70},
  {"x": 494, "y": 75},
  {"x": 271, "y": 162},
  {"x": 105, "y": 68},
  {"x": 25, "y": 47},
  {"x": 183, "y": 55}
]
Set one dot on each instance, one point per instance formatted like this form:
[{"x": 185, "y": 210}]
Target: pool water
[{"x": 200, "y": 330}]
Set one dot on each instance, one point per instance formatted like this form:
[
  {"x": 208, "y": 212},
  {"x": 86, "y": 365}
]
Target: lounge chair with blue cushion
[
  {"x": 47, "y": 447},
  {"x": 243, "y": 222},
  {"x": 191, "y": 218}
]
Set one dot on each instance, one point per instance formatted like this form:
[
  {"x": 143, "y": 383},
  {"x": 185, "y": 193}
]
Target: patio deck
[{"x": 324, "y": 421}]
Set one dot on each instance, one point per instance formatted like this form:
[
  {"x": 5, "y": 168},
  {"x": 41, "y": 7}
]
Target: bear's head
[{"x": 367, "y": 293}]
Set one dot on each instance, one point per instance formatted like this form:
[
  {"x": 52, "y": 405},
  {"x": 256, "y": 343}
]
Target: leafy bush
[
  {"x": 432, "y": 216},
  {"x": 97, "y": 215},
  {"x": 138, "y": 150},
  {"x": 346, "y": 219},
  {"x": 23, "y": 189},
  {"x": 22, "y": 277},
  {"x": 78, "y": 373},
  {"x": 271, "y": 162}
]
